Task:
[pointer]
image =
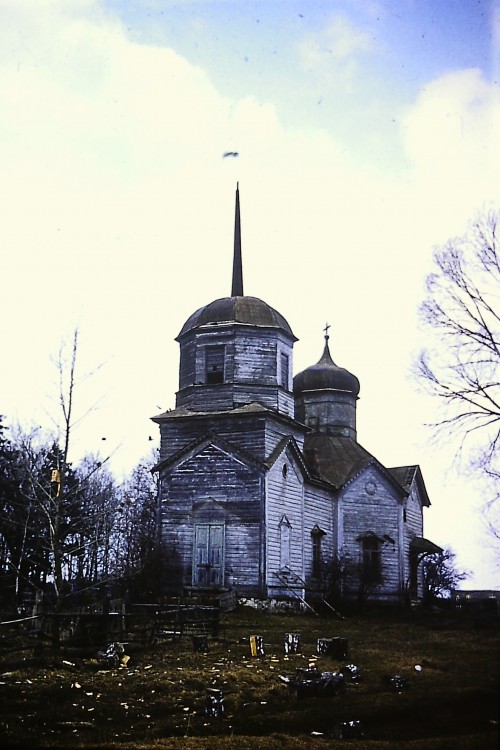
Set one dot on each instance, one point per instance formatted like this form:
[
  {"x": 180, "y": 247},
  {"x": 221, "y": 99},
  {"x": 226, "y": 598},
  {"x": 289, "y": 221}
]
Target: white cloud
[
  {"x": 339, "y": 45},
  {"x": 452, "y": 137}
]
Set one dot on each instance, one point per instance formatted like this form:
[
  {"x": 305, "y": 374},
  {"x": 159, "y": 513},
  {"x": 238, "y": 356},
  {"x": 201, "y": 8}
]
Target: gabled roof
[
  {"x": 407, "y": 476},
  {"x": 291, "y": 444},
  {"x": 339, "y": 460},
  {"x": 195, "y": 446},
  {"x": 335, "y": 459}
]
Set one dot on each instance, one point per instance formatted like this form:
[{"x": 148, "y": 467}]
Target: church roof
[
  {"x": 326, "y": 375},
  {"x": 245, "y": 310},
  {"x": 254, "y": 409},
  {"x": 338, "y": 459},
  {"x": 407, "y": 475},
  {"x": 335, "y": 458}
]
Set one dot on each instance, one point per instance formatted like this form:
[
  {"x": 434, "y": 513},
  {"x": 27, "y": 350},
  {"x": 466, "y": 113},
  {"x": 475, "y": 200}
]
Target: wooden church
[{"x": 264, "y": 489}]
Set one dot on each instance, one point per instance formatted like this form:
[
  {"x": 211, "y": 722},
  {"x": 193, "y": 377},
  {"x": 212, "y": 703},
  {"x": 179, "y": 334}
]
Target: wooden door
[{"x": 208, "y": 566}]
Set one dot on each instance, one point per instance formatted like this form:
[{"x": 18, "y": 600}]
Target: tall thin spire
[{"x": 237, "y": 286}]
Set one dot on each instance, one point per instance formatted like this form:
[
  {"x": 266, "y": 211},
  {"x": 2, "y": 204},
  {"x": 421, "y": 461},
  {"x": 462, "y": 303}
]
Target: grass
[{"x": 157, "y": 701}]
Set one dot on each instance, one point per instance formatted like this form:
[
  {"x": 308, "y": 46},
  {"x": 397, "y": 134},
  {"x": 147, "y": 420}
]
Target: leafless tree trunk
[{"x": 68, "y": 504}]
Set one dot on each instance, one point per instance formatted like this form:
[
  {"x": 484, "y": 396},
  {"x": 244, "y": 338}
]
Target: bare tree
[
  {"x": 461, "y": 365},
  {"x": 88, "y": 543},
  {"x": 37, "y": 512},
  {"x": 61, "y": 513},
  {"x": 138, "y": 554},
  {"x": 462, "y": 314},
  {"x": 60, "y": 489}
]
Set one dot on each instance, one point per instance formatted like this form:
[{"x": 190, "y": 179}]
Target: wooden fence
[{"x": 145, "y": 624}]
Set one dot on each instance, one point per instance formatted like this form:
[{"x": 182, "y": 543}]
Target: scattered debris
[
  {"x": 352, "y": 672},
  {"x": 335, "y": 647},
  {"x": 292, "y": 643},
  {"x": 92, "y": 684},
  {"x": 214, "y": 703},
  {"x": 114, "y": 656},
  {"x": 256, "y": 645},
  {"x": 397, "y": 682},
  {"x": 323, "y": 646},
  {"x": 312, "y": 682}
]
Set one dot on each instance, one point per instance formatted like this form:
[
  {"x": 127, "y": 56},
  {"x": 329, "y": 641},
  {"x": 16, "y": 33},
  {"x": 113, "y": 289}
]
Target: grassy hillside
[{"x": 158, "y": 699}]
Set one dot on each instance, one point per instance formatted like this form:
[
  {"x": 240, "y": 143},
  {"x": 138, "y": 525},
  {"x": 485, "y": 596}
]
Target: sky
[{"x": 367, "y": 134}]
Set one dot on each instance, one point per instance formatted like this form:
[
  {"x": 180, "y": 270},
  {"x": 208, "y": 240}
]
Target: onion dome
[
  {"x": 326, "y": 375},
  {"x": 244, "y": 310}
]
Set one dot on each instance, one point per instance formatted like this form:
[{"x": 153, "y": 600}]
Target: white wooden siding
[{"x": 379, "y": 513}]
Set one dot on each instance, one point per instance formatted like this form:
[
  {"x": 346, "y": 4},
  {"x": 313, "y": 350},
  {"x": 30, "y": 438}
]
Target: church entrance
[{"x": 208, "y": 563}]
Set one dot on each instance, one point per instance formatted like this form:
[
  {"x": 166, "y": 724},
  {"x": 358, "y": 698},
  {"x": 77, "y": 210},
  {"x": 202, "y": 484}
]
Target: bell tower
[
  {"x": 326, "y": 395},
  {"x": 236, "y": 350}
]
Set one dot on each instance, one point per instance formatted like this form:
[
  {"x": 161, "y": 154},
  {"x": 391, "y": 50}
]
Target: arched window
[{"x": 285, "y": 531}]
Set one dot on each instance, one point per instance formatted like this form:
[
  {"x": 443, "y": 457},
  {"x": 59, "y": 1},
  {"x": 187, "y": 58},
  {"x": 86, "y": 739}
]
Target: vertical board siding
[
  {"x": 256, "y": 359},
  {"x": 215, "y": 477},
  {"x": 378, "y": 513},
  {"x": 284, "y": 501},
  {"x": 176, "y": 434},
  {"x": 318, "y": 511},
  {"x": 414, "y": 527},
  {"x": 257, "y": 435},
  {"x": 187, "y": 368},
  {"x": 277, "y": 430},
  {"x": 251, "y": 369}
]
